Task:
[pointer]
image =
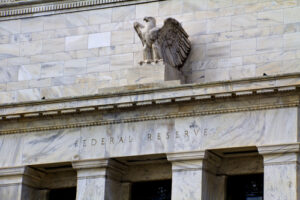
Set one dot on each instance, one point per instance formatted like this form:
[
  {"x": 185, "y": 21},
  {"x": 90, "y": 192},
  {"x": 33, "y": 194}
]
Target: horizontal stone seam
[{"x": 147, "y": 118}]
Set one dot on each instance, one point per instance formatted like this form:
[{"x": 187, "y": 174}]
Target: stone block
[
  {"x": 273, "y": 43},
  {"x": 97, "y": 40},
  {"x": 218, "y": 25},
  {"x": 9, "y": 74},
  {"x": 167, "y": 8},
  {"x": 7, "y": 97},
  {"x": 292, "y": 41},
  {"x": 52, "y": 69},
  {"x": 195, "y": 27},
  {"x": 270, "y": 18},
  {"x": 75, "y": 66},
  {"x": 98, "y": 64},
  {"x": 102, "y": 16},
  {"x": 9, "y": 50},
  {"x": 77, "y": 19},
  {"x": 19, "y": 85},
  {"x": 193, "y": 6},
  {"x": 28, "y": 95},
  {"x": 18, "y": 61},
  {"x": 39, "y": 83},
  {"x": 122, "y": 37},
  {"x": 76, "y": 42},
  {"x": 31, "y": 48},
  {"x": 53, "y": 45},
  {"x": 149, "y": 9},
  {"x": 54, "y": 22},
  {"x": 32, "y": 25},
  {"x": 219, "y": 3},
  {"x": 124, "y": 13},
  {"x": 292, "y": 15},
  {"x": 219, "y": 49},
  {"x": 29, "y": 72},
  {"x": 243, "y": 47},
  {"x": 10, "y": 27},
  {"x": 241, "y": 22},
  {"x": 122, "y": 61}
]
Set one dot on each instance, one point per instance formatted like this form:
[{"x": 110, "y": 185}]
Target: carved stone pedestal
[{"x": 156, "y": 72}]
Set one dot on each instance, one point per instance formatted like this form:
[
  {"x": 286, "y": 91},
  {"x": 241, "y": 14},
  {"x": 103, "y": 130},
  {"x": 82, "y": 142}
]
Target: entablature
[{"x": 144, "y": 95}]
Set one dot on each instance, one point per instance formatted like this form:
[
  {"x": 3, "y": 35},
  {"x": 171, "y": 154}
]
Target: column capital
[
  {"x": 21, "y": 175},
  {"x": 280, "y": 154},
  {"x": 99, "y": 168},
  {"x": 194, "y": 160},
  {"x": 279, "y": 148}
]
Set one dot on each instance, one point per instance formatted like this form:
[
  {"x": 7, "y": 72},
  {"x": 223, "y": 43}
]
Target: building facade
[{"x": 81, "y": 118}]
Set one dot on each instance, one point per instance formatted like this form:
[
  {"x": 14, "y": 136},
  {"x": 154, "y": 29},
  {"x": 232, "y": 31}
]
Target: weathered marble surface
[{"x": 251, "y": 128}]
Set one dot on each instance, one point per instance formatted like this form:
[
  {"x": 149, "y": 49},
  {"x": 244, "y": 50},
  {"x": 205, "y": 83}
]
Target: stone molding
[
  {"x": 21, "y": 175},
  {"x": 280, "y": 154},
  {"x": 126, "y": 97},
  {"x": 194, "y": 161},
  {"x": 99, "y": 168},
  {"x": 280, "y": 85},
  {"x": 148, "y": 118},
  {"x": 22, "y": 8}
]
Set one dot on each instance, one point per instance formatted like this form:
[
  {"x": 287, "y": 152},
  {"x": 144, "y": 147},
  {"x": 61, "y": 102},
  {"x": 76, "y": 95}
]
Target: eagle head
[{"x": 150, "y": 21}]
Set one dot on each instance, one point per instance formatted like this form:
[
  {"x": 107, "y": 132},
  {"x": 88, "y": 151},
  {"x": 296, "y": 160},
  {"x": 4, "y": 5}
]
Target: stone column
[
  {"x": 21, "y": 183},
  {"x": 98, "y": 179},
  {"x": 281, "y": 171},
  {"x": 193, "y": 176}
]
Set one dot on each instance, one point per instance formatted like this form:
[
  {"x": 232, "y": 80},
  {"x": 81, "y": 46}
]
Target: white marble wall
[{"x": 151, "y": 137}]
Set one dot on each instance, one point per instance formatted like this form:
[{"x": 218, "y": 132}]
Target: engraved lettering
[
  {"x": 103, "y": 141},
  {"x": 186, "y": 133},
  {"x": 149, "y": 136},
  {"x": 177, "y": 134},
  {"x": 205, "y": 132},
  {"x": 76, "y": 143},
  {"x": 111, "y": 140},
  {"x": 94, "y": 142},
  {"x": 83, "y": 143},
  {"x": 168, "y": 135},
  {"x": 158, "y": 136},
  {"x": 121, "y": 140},
  {"x": 130, "y": 139},
  {"x": 196, "y": 131}
]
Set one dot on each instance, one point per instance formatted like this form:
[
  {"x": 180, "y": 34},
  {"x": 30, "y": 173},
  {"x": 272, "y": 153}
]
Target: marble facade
[{"x": 76, "y": 109}]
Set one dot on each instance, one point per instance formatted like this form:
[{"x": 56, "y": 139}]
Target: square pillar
[
  {"x": 281, "y": 171},
  {"x": 21, "y": 183},
  {"x": 98, "y": 179},
  {"x": 194, "y": 176}
]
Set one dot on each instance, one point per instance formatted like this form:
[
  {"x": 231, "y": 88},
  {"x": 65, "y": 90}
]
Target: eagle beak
[{"x": 146, "y": 19}]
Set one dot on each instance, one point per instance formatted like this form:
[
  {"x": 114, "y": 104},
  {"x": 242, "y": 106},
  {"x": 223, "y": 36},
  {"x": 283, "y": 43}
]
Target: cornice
[
  {"x": 12, "y": 9},
  {"x": 149, "y": 117},
  {"x": 130, "y": 98}
]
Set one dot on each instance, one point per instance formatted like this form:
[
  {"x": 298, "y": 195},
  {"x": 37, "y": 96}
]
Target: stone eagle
[{"x": 169, "y": 43}]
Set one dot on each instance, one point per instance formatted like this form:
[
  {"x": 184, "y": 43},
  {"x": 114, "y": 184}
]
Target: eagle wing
[
  {"x": 174, "y": 43},
  {"x": 137, "y": 27}
]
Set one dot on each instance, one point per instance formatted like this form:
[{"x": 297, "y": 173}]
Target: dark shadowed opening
[{"x": 152, "y": 190}]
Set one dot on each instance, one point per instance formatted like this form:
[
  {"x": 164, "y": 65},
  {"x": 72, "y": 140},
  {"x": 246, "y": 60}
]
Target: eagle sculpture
[{"x": 169, "y": 43}]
